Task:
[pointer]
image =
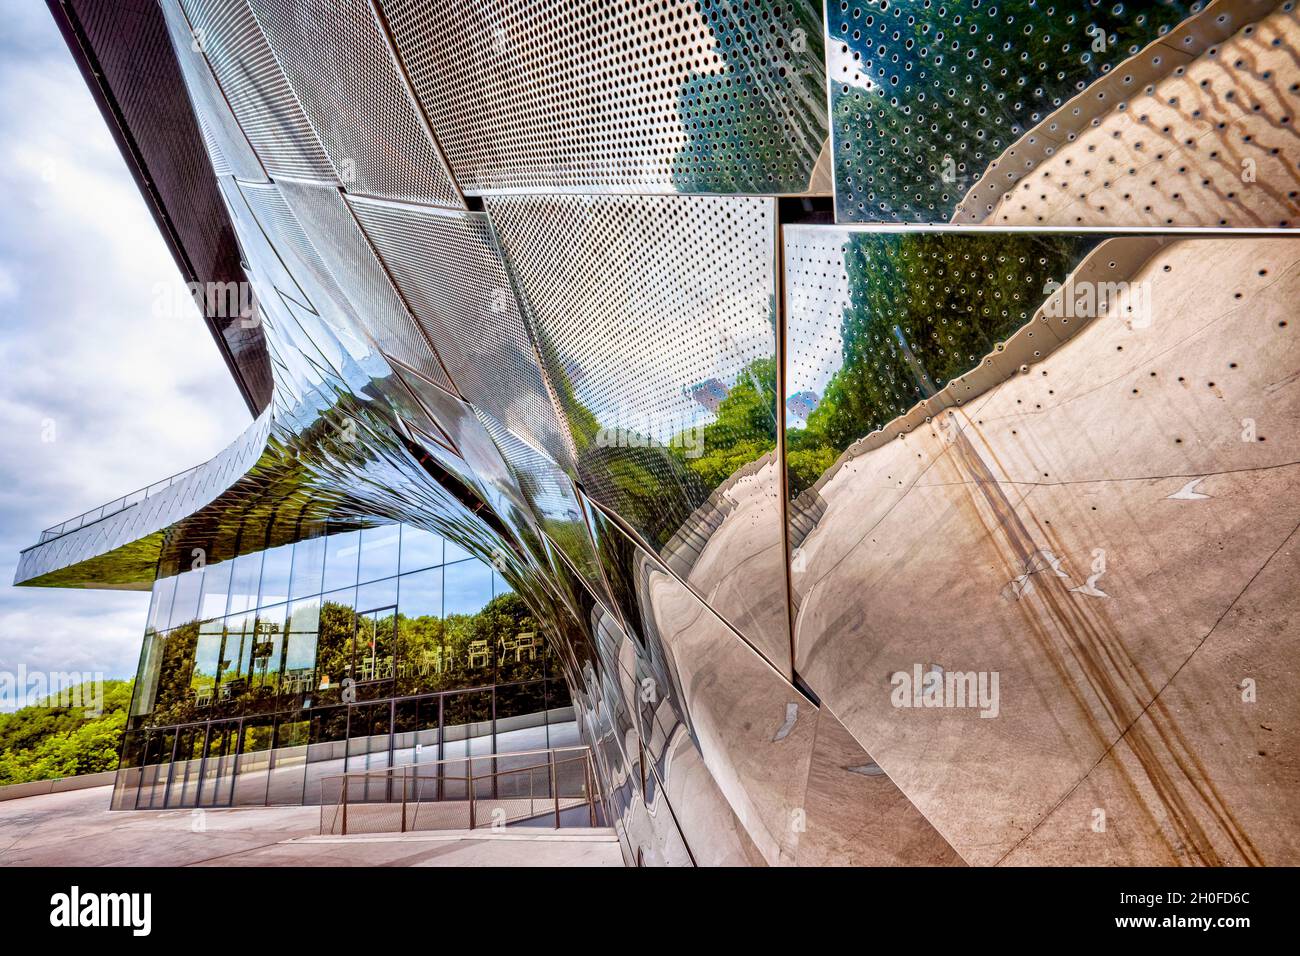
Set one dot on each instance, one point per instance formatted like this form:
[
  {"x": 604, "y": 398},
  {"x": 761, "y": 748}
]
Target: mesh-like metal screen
[
  {"x": 339, "y": 63},
  {"x": 215, "y": 118},
  {"x": 249, "y": 76},
  {"x": 648, "y": 309},
  {"x": 709, "y": 96}
]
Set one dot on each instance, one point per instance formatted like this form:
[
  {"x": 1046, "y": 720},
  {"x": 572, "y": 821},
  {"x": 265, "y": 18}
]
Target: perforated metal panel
[
  {"x": 637, "y": 299},
  {"x": 714, "y": 96},
  {"x": 447, "y": 267},
  {"x": 1026, "y": 449},
  {"x": 341, "y": 67},
  {"x": 229, "y": 147},
  {"x": 933, "y": 102},
  {"x": 249, "y": 76},
  {"x": 655, "y": 319},
  {"x": 332, "y": 271}
]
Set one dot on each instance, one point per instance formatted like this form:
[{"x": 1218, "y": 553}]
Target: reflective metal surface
[
  {"x": 717, "y": 96},
  {"x": 1039, "y": 465},
  {"x": 1024, "y": 113},
  {"x": 226, "y": 34},
  {"x": 340, "y": 64},
  {"x": 656, "y": 319}
]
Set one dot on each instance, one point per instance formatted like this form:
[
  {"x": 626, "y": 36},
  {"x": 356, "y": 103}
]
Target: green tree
[{"x": 46, "y": 740}]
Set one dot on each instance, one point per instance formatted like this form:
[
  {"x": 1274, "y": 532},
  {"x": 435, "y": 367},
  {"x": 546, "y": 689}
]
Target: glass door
[{"x": 219, "y": 764}]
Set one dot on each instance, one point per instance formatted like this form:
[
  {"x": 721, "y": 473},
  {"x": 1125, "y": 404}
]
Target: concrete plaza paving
[{"x": 76, "y": 828}]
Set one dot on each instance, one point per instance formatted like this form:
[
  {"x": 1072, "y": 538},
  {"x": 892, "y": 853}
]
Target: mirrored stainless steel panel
[
  {"x": 339, "y": 63},
  {"x": 226, "y": 33},
  {"x": 1033, "y": 114},
  {"x": 1033, "y": 475}
]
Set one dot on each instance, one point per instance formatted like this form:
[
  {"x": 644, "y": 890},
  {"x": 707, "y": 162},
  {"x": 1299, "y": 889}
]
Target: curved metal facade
[{"x": 884, "y": 499}]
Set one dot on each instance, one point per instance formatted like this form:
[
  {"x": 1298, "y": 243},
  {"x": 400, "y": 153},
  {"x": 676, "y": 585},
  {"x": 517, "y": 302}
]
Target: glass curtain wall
[{"x": 361, "y": 649}]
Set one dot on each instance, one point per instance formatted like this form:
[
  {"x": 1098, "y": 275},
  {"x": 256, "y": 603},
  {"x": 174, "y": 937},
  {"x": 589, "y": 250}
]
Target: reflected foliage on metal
[
  {"x": 1031, "y": 459},
  {"x": 1090, "y": 114}
]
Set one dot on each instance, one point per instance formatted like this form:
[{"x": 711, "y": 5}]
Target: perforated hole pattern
[
  {"x": 924, "y": 96},
  {"x": 339, "y": 64},
  {"x": 636, "y": 301},
  {"x": 1209, "y": 144},
  {"x": 654, "y": 95},
  {"x": 233, "y": 151},
  {"x": 256, "y": 89},
  {"x": 878, "y": 322}
]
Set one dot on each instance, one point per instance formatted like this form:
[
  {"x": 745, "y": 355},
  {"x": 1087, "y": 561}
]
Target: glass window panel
[
  {"x": 420, "y": 549},
  {"x": 289, "y": 760},
  {"x": 308, "y": 567},
  {"x": 175, "y": 702},
  {"x": 160, "y": 608},
  {"x": 326, "y": 751},
  {"x": 266, "y": 653},
  {"x": 373, "y": 660},
  {"x": 185, "y": 607},
  {"x": 415, "y": 738},
  {"x": 341, "y": 555},
  {"x": 467, "y": 732},
  {"x": 144, "y": 696},
  {"x": 207, "y": 661},
  {"x": 253, "y": 765},
  {"x": 158, "y": 755},
  {"x": 467, "y": 632},
  {"x": 369, "y": 740},
  {"x": 420, "y": 594},
  {"x": 276, "y": 566},
  {"x": 219, "y": 764},
  {"x": 244, "y": 578},
  {"x": 521, "y": 718},
  {"x": 377, "y": 594},
  {"x": 304, "y": 616},
  {"x": 379, "y": 550},
  {"x": 300, "y": 652},
  {"x": 300, "y": 664},
  {"x": 126, "y": 786},
  {"x": 516, "y": 639},
  {"x": 419, "y": 632},
  {"x": 187, "y": 766},
  {"x": 216, "y": 587},
  {"x": 236, "y": 656},
  {"x": 467, "y": 588}
]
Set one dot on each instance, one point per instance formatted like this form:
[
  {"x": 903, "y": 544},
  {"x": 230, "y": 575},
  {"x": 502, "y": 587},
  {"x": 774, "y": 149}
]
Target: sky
[{"x": 100, "y": 351}]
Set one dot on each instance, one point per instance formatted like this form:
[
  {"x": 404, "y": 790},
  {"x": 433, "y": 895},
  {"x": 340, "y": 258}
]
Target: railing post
[
  {"x": 403, "y": 800},
  {"x": 469, "y": 783},
  {"x": 345, "y": 805},
  {"x": 589, "y": 777},
  {"x": 555, "y": 789}
]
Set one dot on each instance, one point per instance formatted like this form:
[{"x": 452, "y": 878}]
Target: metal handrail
[
  {"x": 113, "y": 507},
  {"x": 433, "y": 770}
]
